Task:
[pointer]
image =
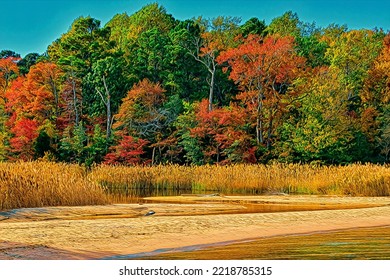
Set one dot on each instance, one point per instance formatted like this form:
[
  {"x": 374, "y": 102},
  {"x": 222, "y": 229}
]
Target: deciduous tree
[
  {"x": 216, "y": 35},
  {"x": 127, "y": 152},
  {"x": 8, "y": 71},
  {"x": 110, "y": 85},
  {"x": 223, "y": 134},
  {"x": 264, "y": 69}
]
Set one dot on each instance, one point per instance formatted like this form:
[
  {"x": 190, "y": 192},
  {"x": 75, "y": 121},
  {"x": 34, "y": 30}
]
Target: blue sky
[{"x": 31, "y": 25}]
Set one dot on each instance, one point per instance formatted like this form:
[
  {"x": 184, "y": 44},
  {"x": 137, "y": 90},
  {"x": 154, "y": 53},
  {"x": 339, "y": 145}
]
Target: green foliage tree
[
  {"x": 149, "y": 17},
  {"x": 26, "y": 62},
  {"x": 119, "y": 27},
  {"x": 150, "y": 57},
  {"x": 108, "y": 84},
  {"x": 287, "y": 24},
  {"x": 317, "y": 128},
  {"x": 353, "y": 53},
  {"x": 253, "y": 26},
  {"x": 193, "y": 153},
  {"x": 125, "y": 29},
  {"x": 98, "y": 146},
  {"x": 73, "y": 145},
  {"x": 42, "y": 145},
  {"x": 216, "y": 35},
  {"x": 85, "y": 41},
  {"x": 8, "y": 53},
  {"x": 186, "y": 75}
]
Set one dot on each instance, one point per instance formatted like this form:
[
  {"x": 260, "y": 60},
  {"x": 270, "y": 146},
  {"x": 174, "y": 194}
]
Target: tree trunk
[
  {"x": 56, "y": 98},
  {"x": 269, "y": 133},
  {"x": 208, "y": 60},
  {"x": 75, "y": 101},
  {"x": 259, "y": 130},
  {"x": 153, "y": 154},
  {"x": 218, "y": 154},
  {"x": 259, "y": 120},
  {"x": 212, "y": 85},
  {"x": 108, "y": 104},
  {"x": 107, "y": 101}
]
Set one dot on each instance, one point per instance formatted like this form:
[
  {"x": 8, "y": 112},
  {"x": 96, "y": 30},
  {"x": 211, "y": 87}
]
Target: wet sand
[
  {"x": 372, "y": 243},
  {"x": 122, "y": 230}
]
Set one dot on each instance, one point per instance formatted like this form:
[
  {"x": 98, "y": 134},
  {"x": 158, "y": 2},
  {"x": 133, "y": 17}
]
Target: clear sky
[{"x": 31, "y": 25}]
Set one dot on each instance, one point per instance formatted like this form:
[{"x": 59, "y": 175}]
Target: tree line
[{"x": 147, "y": 88}]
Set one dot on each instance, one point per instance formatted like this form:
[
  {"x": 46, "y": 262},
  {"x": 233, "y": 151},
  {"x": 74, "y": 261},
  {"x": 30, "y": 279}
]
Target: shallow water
[
  {"x": 131, "y": 195},
  {"x": 137, "y": 195},
  {"x": 362, "y": 243}
]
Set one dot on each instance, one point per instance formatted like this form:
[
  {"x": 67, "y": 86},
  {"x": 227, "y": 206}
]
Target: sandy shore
[{"x": 114, "y": 231}]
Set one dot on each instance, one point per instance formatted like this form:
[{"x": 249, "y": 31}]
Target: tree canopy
[{"x": 148, "y": 88}]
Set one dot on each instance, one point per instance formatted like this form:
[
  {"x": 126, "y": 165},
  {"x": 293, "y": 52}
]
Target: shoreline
[{"x": 101, "y": 232}]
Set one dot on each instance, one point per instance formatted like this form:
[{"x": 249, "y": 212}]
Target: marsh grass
[
  {"x": 38, "y": 184},
  {"x": 354, "y": 180}
]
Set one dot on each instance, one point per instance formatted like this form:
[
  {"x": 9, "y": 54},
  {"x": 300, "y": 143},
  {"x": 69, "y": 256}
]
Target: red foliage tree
[
  {"x": 33, "y": 103},
  {"x": 16, "y": 96},
  {"x": 25, "y": 132},
  {"x": 36, "y": 95},
  {"x": 223, "y": 134},
  {"x": 263, "y": 69},
  {"x": 127, "y": 152}
]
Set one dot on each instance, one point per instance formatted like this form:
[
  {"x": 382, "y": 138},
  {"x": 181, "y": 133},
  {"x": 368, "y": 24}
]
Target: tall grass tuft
[{"x": 38, "y": 184}]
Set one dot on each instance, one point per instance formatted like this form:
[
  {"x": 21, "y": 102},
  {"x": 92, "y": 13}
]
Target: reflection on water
[
  {"x": 366, "y": 243},
  {"x": 136, "y": 195}
]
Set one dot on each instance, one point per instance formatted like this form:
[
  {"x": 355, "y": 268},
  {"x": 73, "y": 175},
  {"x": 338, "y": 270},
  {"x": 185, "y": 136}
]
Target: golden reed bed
[{"x": 37, "y": 184}]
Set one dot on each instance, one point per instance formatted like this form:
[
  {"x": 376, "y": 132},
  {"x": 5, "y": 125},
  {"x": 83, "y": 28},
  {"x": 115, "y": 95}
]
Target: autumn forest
[{"x": 149, "y": 89}]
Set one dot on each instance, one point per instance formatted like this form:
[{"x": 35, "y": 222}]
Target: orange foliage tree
[
  {"x": 264, "y": 69},
  {"x": 139, "y": 112},
  {"x": 33, "y": 103},
  {"x": 8, "y": 69},
  {"x": 140, "y": 120},
  {"x": 45, "y": 80},
  {"x": 36, "y": 95},
  {"x": 377, "y": 87},
  {"x": 376, "y": 97}
]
